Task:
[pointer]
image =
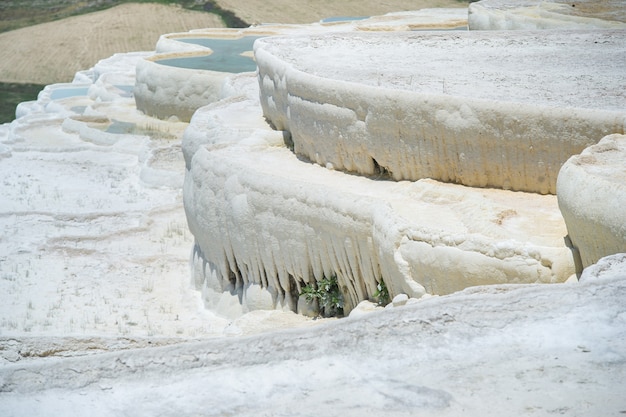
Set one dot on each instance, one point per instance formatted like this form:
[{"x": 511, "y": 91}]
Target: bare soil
[{"x": 52, "y": 52}]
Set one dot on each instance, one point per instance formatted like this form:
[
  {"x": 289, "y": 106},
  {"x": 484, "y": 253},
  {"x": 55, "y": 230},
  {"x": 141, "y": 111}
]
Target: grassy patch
[
  {"x": 11, "y": 94},
  {"x": 229, "y": 18}
]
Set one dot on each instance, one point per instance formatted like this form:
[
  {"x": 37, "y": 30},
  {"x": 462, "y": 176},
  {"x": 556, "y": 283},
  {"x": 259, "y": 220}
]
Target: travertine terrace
[{"x": 97, "y": 310}]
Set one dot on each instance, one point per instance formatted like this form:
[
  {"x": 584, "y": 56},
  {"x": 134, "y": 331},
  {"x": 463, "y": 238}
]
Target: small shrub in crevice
[
  {"x": 327, "y": 294},
  {"x": 382, "y": 294}
]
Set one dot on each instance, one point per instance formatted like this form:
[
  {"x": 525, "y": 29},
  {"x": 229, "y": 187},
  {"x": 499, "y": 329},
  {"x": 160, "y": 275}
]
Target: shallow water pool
[
  {"x": 60, "y": 93},
  {"x": 335, "y": 19},
  {"x": 226, "y": 56}
]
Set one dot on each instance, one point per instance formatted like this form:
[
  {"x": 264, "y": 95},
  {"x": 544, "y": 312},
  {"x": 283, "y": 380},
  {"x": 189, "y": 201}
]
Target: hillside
[{"x": 52, "y": 52}]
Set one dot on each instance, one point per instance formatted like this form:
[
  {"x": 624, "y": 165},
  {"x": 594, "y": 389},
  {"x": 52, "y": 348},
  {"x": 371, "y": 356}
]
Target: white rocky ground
[
  {"x": 488, "y": 351},
  {"x": 98, "y": 315},
  {"x": 95, "y": 240}
]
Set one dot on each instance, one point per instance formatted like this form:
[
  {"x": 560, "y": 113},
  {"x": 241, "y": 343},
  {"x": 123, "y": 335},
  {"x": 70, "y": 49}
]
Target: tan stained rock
[{"x": 591, "y": 191}]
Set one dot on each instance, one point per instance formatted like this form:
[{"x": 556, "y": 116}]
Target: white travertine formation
[
  {"x": 423, "y": 19},
  {"x": 591, "y": 191},
  {"x": 91, "y": 219},
  {"x": 540, "y": 14},
  {"x": 162, "y": 91},
  {"x": 266, "y": 221},
  {"x": 456, "y": 107},
  {"x": 262, "y": 218},
  {"x": 608, "y": 267}
]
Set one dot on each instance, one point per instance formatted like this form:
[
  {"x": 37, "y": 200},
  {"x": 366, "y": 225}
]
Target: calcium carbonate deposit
[
  {"x": 171, "y": 237},
  {"x": 551, "y": 14},
  {"x": 453, "y": 107}
]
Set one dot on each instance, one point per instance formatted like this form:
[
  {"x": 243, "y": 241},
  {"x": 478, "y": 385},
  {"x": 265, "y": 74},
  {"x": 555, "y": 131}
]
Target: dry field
[{"x": 52, "y": 52}]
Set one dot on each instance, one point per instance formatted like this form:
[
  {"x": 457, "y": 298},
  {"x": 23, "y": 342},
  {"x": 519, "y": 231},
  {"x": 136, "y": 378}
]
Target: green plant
[
  {"x": 382, "y": 294},
  {"x": 11, "y": 94},
  {"x": 230, "y": 19},
  {"x": 327, "y": 294}
]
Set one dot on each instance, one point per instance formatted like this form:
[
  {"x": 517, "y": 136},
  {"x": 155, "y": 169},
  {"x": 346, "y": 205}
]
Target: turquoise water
[
  {"x": 127, "y": 90},
  {"x": 66, "y": 92},
  {"x": 343, "y": 19},
  {"x": 461, "y": 28},
  {"x": 60, "y": 93},
  {"x": 120, "y": 127},
  {"x": 226, "y": 56}
]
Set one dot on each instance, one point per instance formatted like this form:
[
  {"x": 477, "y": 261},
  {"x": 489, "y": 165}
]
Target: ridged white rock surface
[
  {"x": 592, "y": 197},
  {"x": 262, "y": 217},
  {"x": 605, "y": 268},
  {"x": 163, "y": 91},
  {"x": 540, "y": 14},
  {"x": 489, "y": 351},
  {"x": 457, "y": 107},
  {"x": 94, "y": 243}
]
